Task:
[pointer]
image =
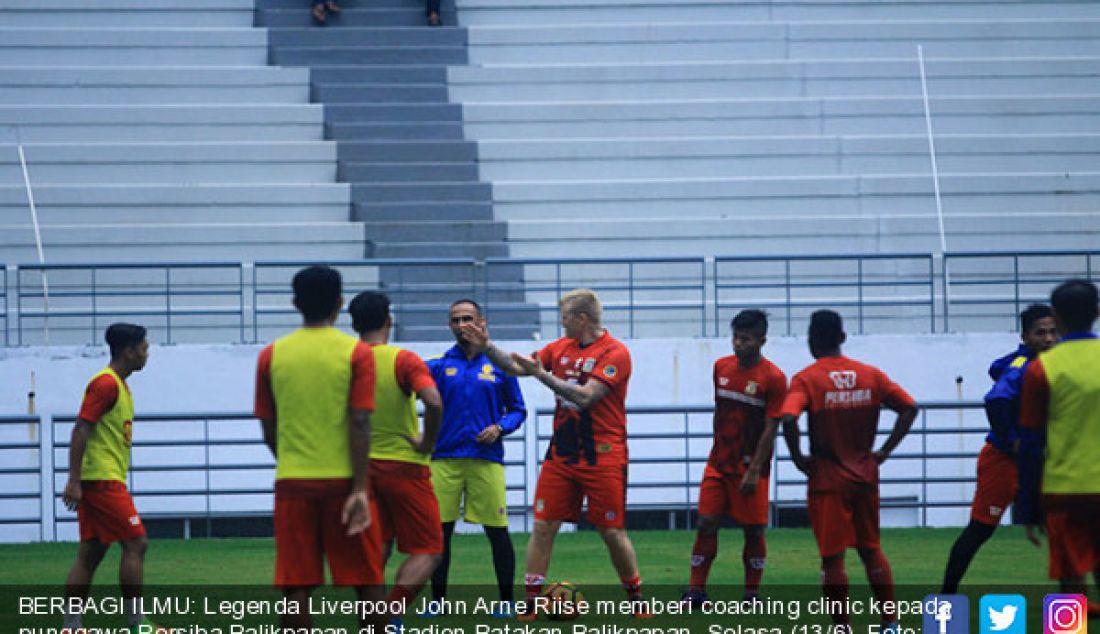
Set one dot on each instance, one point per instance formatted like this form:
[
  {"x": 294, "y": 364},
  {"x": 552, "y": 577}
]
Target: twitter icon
[{"x": 1003, "y": 614}]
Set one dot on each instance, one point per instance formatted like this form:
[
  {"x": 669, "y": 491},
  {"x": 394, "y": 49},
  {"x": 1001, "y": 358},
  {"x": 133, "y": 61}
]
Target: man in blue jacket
[
  {"x": 998, "y": 476},
  {"x": 481, "y": 405}
]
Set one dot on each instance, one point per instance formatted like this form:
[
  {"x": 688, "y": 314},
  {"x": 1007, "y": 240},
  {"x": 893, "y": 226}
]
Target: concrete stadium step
[
  {"x": 167, "y": 163},
  {"x": 746, "y": 40},
  {"x": 615, "y": 12},
  {"x": 715, "y": 80},
  {"x": 808, "y": 234},
  {"x": 263, "y": 5},
  {"x": 436, "y": 231},
  {"x": 380, "y": 93},
  {"x": 217, "y": 242},
  {"x": 378, "y": 74},
  {"x": 126, "y": 13},
  {"x": 601, "y": 159},
  {"x": 133, "y": 47},
  {"x": 756, "y": 197},
  {"x": 353, "y": 17},
  {"x": 416, "y": 55},
  {"x": 420, "y": 192},
  {"x": 152, "y": 85},
  {"x": 438, "y": 211},
  {"x": 442, "y": 130},
  {"x": 355, "y": 172},
  {"x": 390, "y": 113},
  {"x": 773, "y": 117},
  {"x": 182, "y": 203},
  {"x": 352, "y": 36},
  {"x": 476, "y": 250},
  {"x": 407, "y": 152}
]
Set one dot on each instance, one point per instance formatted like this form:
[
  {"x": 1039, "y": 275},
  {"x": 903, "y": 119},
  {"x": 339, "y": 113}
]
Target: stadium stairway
[
  {"x": 381, "y": 75},
  {"x": 627, "y": 127},
  {"x": 155, "y": 130}
]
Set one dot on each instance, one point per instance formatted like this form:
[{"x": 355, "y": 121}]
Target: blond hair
[{"x": 583, "y": 300}]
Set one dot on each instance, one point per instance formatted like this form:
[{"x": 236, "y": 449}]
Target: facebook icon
[{"x": 946, "y": 614}]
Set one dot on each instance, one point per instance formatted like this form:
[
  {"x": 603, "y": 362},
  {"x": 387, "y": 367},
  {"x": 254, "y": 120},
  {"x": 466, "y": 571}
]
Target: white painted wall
[{"x": 219, "y": 378}]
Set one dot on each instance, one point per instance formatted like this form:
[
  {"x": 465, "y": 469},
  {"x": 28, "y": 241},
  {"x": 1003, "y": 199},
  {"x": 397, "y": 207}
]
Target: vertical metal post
[
  {"x": 924, "y": 467},
  {"x": 946, "y": 299},
  {"x": 702, "y": 297},
  {"x": 932, "y": 295},
  {"x": 255, "y": 303},
  {"x": 206, "y": 465},
  {"x": 240, "y": 298}
]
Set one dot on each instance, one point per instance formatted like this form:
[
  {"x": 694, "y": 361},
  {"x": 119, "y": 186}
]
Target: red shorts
[
  {"x": 309, "y": 528},
  {"x": 561, "y": 491},
  {"x": 844, "y": 519},
  {"x": 1073, "y": 532},
  {"x": 997, "y": 485},
  {"x": 106, "y": 512},
  {"x": 407, "y": 506},
  {"x": 720, "y": 494}
]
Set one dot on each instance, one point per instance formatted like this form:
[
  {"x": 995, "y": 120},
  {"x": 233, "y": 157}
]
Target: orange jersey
[
  {"x": 743, "y": 400},
  {"x": 596, "y": 435},
  {"x": 843, "y": 398}
]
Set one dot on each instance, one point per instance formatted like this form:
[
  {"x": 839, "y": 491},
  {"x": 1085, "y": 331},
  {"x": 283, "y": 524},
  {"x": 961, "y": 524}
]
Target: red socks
[
  {"x": 881, "y": 579},
  {"x": 753, "y": 556},
  {"x": 834, "y": 584},
  {"x": 702, "y": 556}
]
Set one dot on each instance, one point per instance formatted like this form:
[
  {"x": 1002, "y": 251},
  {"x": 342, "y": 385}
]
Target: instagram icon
[{"x": 1064, "y": 614}]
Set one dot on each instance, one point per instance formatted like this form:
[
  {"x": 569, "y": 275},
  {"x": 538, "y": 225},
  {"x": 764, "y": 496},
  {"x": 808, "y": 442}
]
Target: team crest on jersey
[
  {"x": 609, "y": 516},
  {"x": 487, "y": 373},
  {"x": 451, "y": 371},
  {"x": 843, "y": 380},
  {"x": 487, "y": 368},
  {"x": 564, "y": 361},
  {"x": 588, "y": 365},
  {"x": 723, "y": 380},
  {"x": 610, "y": 371},
  {"x": 996, "y": 511},
  {"x": 751, "y": 388}
]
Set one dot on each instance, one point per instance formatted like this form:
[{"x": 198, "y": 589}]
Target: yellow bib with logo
[
  {"x": 107, "y": 456},
  {"x": 1072, "y": 369},
  {"x": 394, "y": 412},
  {"x": 311, "y": 381}
]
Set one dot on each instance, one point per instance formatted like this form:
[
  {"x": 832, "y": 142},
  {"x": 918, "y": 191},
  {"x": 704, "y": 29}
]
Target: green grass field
[{"x": 230, "y": 567}]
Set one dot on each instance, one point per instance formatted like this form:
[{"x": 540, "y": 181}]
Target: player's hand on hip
[
  {"x": 804, "y": 464},
  {"x": 72, "y": 494},
  {"x": 489, "y": 435},
  {"x": 419, "y": 443},
  {"x": 749, "y": 482},
  {"x": 356, "y": 514},
  {"x": 1033, "y": 533},
  {"x": 529, "y": 366}
]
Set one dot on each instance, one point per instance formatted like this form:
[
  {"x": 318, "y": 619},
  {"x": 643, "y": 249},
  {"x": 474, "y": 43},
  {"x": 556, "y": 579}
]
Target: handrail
[{"x": 209, "y": 300}]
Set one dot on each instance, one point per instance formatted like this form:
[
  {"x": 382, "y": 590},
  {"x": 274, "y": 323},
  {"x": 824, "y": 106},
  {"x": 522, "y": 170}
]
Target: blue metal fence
[
  {"x": 214, "y": 302},
  {"x": 198, "y": 467}
]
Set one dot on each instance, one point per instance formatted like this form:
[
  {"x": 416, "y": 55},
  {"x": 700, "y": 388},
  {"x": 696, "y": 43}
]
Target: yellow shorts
[{"x": 481, "y": 482}]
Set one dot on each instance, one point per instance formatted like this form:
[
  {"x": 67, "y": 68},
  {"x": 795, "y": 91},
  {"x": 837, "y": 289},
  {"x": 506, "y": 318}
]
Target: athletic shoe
[
  {"x": 694, "y": 597},
  {"x": 640, "y": 609},
  {"x": 525, "y": 615},
  {"x": 430, "y": 612},
  {"x": 148, "y": 627},
  {"x": 506, "y": 611}
]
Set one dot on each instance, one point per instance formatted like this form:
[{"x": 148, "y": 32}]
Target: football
[{"x": 564, "y": 601}]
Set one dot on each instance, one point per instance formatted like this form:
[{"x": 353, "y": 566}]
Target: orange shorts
[
  {"x": 844, "y": 519},
  {"x": 407, "y": 507},
  {"x": 720, "y": 494},
  {"x": 1073, "y": 532},
  {"x": 106, "y": 512},
  {"x": 997, "y": 485},
  {"x": 561, "y": 491},
  {"x": 309, "y": 528}
]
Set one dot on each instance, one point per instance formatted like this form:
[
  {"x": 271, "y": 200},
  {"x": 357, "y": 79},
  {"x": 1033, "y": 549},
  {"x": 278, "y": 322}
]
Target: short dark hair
[
  {"x": 751, "y": 319},
  {"x": 121, "y": 336},
  {"x": 1076, "y": 303},
  {"x": 369, "y": 311},
  {"x": 1032, "y": 314},
  {"x": 826, "y": 329},
  {"x": 317, "y": 291},
  {"x": 471, "y": 302}
]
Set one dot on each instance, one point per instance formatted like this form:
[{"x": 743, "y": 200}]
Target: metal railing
[
  {"x": 798, "y": 285},
  {"x": 200, "y": 467},
  {"x": 1034, "y": 274},
  {"x": 643, "y": 297}
]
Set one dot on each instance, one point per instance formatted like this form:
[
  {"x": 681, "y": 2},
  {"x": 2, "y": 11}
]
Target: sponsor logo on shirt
[
  {"x": 848, "y": 397},
  {"x": 610, "y": 371},
  {"x": 589, "y": 364},
  {"x": 723, "y": 380},
  {"x": 751, "y": 388},
  {"x": 844, "y": 379},
  {"x": 487, "y": 374},
  {"x": 451, "y": 371}
]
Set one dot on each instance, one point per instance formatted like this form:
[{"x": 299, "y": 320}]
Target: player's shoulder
[
  {"x": 771, "y": 369},
  {"x": 102, "y": 381},
  {"x": 609, "y": 342},
  {"x": 726, "y": 363}
]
